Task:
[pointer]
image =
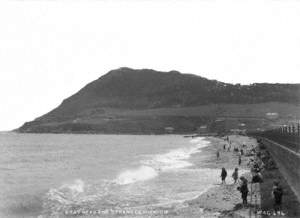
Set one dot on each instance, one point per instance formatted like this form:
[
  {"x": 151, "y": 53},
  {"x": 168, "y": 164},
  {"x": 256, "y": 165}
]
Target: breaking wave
[
  {"x": 175, "y": 159},
  {"x": 106, "y": 194},
  {"x": 141, "y": 174}
]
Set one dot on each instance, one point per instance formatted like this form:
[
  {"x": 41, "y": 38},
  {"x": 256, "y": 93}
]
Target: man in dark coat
[
  {"x": 223, "y": 175},
  {"x": 244, "y": 189},
  {"x": 277, "y": 195}
]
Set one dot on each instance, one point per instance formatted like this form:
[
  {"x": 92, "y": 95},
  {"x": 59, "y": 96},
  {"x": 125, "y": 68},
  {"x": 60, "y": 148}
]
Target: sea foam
[
  {"x": 140, "y": 174},
  {"x": 177, "y": 158},
  {"x": 172, "y": 160},
  {"x": 67, "y": 193}
]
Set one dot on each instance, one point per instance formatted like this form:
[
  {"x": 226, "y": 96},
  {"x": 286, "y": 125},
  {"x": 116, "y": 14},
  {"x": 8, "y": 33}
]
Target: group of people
[
  {"x": 235, "y": 175},
  {"x": 228, "y": 148},
  {"x": 243, "y": 188},
  {"x": 277, "y": 190},
  {"x": 256, "y": 167}
]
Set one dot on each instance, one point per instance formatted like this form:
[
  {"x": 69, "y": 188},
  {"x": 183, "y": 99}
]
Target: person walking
[
  {"x": 223, "y": 175},
  {"x": 235, "y": 175},
  {"x": 243, "y": 188},
  {"x": 218, "y": 154},
  {"x": 242, "y": 151},
  {"x": 240, "y": 160},
  {"x": 277, "y": 196}
]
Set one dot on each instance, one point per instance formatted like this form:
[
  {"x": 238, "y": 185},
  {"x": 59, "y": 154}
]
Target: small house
[
  {"x": 272, "y": 115},
  {"x": 202, "y": 129},
  {"x": 169, "y": 129}
]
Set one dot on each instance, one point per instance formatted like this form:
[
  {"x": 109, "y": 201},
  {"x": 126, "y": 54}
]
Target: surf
[
  {"x": 158, "y": 163},
  {"x": 114, "y": 192},
  {"x": 140, "y": 174},
  {"x": 177, "y": 158}
]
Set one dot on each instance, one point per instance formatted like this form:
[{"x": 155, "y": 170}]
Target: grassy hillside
[
  {"x": 184, "y": 120},
  {"x": 134, "y": 101}
]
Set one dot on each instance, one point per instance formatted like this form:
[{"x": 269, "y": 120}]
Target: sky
[{"x": 50, "y": 49}]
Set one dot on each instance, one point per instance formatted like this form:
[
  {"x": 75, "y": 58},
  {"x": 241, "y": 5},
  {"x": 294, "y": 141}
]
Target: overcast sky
[{"x": 51, "y": 49}]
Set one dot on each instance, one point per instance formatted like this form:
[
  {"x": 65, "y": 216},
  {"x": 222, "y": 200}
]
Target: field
[{"x": 221, "y": 117}]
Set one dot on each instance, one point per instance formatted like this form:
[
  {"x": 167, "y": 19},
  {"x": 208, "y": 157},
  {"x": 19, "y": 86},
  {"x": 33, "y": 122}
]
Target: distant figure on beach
[
  {"x": 235, "y": 175},
  {"x": 223, "y": 175},
  {"x": 229, "y": 147},
  {"x": 218, "y": 154},
  {"x": 224, "y": 147},
  {"x": 277, "y": 195},
  {"x": 244, "y": 189},
  {"x": 242, "y": 151},
  {"x": 257, "y": 177},
  {"x": 240, "y": 160}
]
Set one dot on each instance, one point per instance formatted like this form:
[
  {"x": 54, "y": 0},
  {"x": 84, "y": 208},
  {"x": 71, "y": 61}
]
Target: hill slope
[{"x": 97, "y": 106}]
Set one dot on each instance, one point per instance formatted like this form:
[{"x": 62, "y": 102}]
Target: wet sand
[
  {"x": 219, "y": 200},
  {"x": 222, "y": 199}
]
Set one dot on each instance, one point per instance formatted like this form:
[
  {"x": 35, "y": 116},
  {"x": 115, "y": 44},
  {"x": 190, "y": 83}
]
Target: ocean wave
[
  {"x": 113, "y": 193},
  {"x": 150, "y": 168},
  {"x": 140, "y": 174},
  {"x": 177, "y": 158},
  {"x": 68, "y": 193}
]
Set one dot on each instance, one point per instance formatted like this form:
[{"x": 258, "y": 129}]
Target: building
[
  {"x": 202, "y": 129},
  {"x": 238, "y": 131},
  {"x": 272, "y": 115},
  {"x": 169, "y": 129}
]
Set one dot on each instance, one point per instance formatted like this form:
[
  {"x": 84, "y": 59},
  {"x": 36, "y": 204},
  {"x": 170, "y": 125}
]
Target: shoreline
[
  {"x": 216, "y": 200},
  {"x": 224, "y": 201},
  {"x": 221, "y": 200}
]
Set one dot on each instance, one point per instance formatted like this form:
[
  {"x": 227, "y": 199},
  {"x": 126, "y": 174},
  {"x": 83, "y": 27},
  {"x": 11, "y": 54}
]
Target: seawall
[{"x": 288, "y": 162}]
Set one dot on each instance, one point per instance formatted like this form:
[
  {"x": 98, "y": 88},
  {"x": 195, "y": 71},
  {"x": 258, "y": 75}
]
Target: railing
[{"x": 287, "y": 135}]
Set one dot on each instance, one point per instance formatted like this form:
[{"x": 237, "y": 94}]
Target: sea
[{"x": 80, "y": 175}]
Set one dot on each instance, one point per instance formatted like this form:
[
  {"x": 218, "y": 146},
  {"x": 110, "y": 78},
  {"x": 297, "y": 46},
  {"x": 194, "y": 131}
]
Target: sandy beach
[
  {"x": 225, "y": 198},
  {"x": 191, "y": 190},
  {"x": 220, "y": 200}
]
